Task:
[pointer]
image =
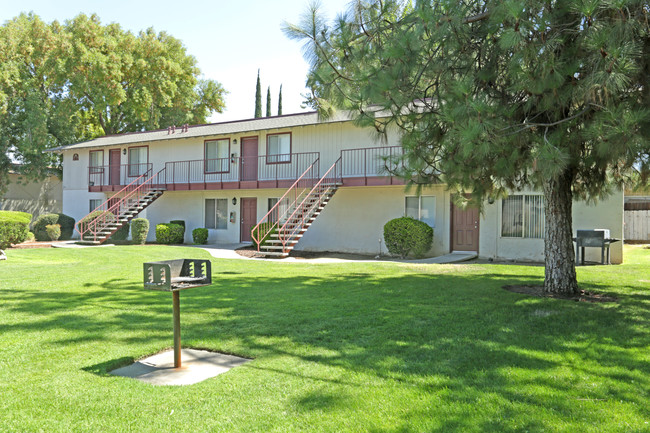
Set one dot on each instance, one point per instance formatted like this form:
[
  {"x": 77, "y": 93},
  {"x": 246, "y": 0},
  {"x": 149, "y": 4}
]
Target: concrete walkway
[{"x": 227, "y": 251}]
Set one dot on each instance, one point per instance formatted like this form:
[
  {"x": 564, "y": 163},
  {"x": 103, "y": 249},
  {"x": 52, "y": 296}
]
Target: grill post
[{"x": 176, "y": 306}]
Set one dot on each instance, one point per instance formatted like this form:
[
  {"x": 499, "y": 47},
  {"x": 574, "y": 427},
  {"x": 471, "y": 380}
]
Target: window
[
  {"x": 96, "y": 161},
  {"x": 421, "y": 208},
  {"x": 282, "y": 209},
  {"x": 278, "y": 148},
  {"x": 216, "y": 213},
  {"x": 217, "y": 156},
  {"x": 138, "y": 159},
  {"x": 94, "y": 204},
  {"x": 522, "y": 216}
]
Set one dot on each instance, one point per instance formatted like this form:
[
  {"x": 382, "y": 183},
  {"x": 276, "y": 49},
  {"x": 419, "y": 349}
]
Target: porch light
[
  {"x": 234, "y": 201},
  {"x": 124, "y": 151},
  {"x": 234, "y": 141}
]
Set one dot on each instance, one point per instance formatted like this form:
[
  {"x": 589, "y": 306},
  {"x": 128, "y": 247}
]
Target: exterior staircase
[
  {"x": 118, "y": 210},
  {"x": 280, "y": 230}
]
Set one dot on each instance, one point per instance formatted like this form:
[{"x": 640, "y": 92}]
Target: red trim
[
  {"x": 290, "y": 147},
  {"x": 98, "y": 168},
  {"x": 128, "y": 159},
  {"x": 205, "y": 159}
]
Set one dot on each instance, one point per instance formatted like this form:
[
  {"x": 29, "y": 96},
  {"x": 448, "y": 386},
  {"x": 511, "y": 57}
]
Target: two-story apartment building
[{"x": 228, "y": 176}]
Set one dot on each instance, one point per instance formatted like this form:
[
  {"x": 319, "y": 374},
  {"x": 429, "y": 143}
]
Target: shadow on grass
[{"x": 458, "y": 335}]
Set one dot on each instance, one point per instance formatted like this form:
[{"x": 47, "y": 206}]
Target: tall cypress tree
[
  {"x": 258, "y": 97},
  {"x": 280, "y": 101},
  {"x": 268, "y": 101}
]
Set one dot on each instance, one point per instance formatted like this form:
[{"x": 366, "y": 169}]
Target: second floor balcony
[{"x": 360, "y": 167}]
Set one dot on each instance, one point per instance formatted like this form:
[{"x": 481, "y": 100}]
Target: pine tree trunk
[{"x": 560, "y": 271}]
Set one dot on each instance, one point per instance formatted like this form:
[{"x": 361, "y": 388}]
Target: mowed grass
[{"x": 353, "y": 347}]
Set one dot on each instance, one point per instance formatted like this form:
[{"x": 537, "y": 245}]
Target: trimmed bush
[
  {"x": 200, "y": 236},
  {"x": 121, "y": 234},
  {"x": 169, "y": 234},
  {"x": 139, "y": 230},
  {"x": 406, "y": 235},
  {"x": 53, "y": 231},
  {"x": 14, "y": 228},
  {"x": 39, "y": 227},
  {"x": 263, "y": 228},
  {"x": 180, "y": 223},
  {"x": 30, "y": 237}
]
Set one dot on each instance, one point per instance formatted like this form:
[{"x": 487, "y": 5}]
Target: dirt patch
[
  {"x": 27, "y": 245},
  {"x": 583, "y": 296},
  {"x": 250, "y": 251}
]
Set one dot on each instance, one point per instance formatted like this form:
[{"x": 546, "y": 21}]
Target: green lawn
[{"x": 355, "y": 347}]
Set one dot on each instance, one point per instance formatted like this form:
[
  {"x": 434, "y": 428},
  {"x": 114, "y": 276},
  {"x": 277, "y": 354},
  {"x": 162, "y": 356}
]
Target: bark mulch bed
[
  {"x": 584, "y": 296},
  {"x": 250, "y": 251},
  {"x": 26, "y": 245}
]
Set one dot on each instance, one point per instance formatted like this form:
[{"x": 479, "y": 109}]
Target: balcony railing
[
  {"x": 259, "y": 171},
  {"x": 371, "y": 165},
  {"x": 115, "y": 176}
]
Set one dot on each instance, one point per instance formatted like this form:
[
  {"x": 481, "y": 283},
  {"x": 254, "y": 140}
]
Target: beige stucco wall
[
  {"x": 33, "y": 197},
  {"x": 606, "y": 214}
]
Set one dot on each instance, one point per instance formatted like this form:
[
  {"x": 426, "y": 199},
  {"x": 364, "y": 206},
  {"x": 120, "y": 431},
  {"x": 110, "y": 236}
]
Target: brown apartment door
[
  {"x": 114, "y": 167},
  {"x": 249, "y": 158},
  {"x": 248, "y": 218},
  {"x": 464, "y": 229}
]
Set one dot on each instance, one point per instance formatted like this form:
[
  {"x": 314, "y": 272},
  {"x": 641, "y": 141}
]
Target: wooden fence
[{"x": 637, "y": 225}]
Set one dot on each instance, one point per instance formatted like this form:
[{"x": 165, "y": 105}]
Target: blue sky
[{"x": 230, "y": 40}]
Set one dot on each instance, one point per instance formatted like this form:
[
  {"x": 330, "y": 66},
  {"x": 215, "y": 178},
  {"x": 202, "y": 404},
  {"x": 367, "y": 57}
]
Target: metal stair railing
[
  {"x": 275, "y": 215},
  {"x": 112, "y": 210},
  {"x": 295, "y": 223}
]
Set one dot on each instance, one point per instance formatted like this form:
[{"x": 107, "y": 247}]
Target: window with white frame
[
  {"x": 217, "y": 156},
  {"x": 96, "y": 161},
  {"x": 278, "y": 148},
  {"x": 94, "y": 204},
  {"x": 138, "y": 159},
  {"x": 522, "y": 216},
  {"x": 216, "y": 213},
  {"x": 421, "y": 208}
]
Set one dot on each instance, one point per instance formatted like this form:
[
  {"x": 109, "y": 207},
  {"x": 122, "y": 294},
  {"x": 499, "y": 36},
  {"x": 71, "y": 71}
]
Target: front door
[
  {"x": 249, "y": 159},
  {"x": 248, "y": 218},
  {"x": 464, "y": 229},
  {"x": 114, "y": 167}
]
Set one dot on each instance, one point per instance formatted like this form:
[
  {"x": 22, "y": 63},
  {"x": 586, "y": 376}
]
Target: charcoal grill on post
[
  {"x": 598, "y": 238},
  {"x": 174, "y": 276}
]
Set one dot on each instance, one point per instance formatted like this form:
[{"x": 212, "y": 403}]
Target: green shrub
[
  {"x": 407, "y": 235},
  {"x": 39, "y": 227},
  {"x": 14, "y": 228},
  {"x": 53, "y": 231},
  {"x": 169, "y": 234},
  {"x": 200, "y": 236},
  {"x": 83, "y": 222},
  {"x": 139, "y": 230},
  {"x": 180, "y": 223},
  {"x": 122, "y": 233},
  {"x": 30, "y": 237},
  {"x": 264, "y": 228}
]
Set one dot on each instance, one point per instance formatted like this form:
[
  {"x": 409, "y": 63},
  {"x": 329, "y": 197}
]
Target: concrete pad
[
  {"x": 453, "y": 257},
  {"x": 196, "y": 366}
]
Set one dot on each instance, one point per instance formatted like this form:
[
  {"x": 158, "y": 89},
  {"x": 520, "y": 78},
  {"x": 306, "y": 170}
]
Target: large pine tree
[{"x": 494, "y": 96}]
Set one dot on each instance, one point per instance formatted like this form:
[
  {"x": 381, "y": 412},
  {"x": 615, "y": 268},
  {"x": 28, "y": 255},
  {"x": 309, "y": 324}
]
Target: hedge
[
  {"x": 39, "y": 227},
  {"x": 53, "y": 231},
  {"x": 14, "y": 228},
  {"x": 263, "y": 228},
  {"x": 139, "y": 230},
  {"x": 169, "y": 233},
  {"x": 200, "y": 236},
  {"x": 406, "y": 235}
]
